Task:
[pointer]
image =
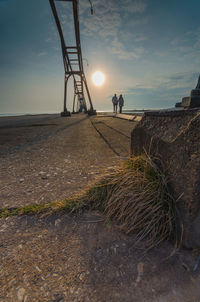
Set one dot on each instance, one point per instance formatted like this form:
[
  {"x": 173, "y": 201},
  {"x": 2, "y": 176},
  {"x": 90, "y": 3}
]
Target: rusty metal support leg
[
  {"x": 91, "y": 111},
  {"x": 65, "y": 112},
  {"x": 74, "y": 103}
]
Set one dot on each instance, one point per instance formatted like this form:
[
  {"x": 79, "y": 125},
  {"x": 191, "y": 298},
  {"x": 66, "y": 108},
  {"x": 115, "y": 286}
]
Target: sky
[{"x": 148, "y": 50}]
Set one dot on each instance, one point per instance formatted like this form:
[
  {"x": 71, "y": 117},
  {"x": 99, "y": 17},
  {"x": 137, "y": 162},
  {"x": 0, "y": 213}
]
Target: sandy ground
[{"x": 76, "y": 257}]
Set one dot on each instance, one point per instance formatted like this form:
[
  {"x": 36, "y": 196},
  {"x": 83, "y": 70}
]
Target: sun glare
[{"x": 98, "y": 78}]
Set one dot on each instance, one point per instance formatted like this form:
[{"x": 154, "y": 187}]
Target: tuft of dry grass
[{"x": 136, "y": 196}]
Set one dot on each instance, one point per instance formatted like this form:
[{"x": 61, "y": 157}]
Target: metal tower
[{"x": 73, "y": 64}]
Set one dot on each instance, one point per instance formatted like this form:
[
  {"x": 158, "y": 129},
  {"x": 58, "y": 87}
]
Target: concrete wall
[{"x": 174, "y": 137}]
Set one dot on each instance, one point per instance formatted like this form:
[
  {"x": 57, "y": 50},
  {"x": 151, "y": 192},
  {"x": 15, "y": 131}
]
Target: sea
[
  {"x": 23, "y": 114},
  {"x": 12, "y": 114},
  {"x": 126, "y": 111}
]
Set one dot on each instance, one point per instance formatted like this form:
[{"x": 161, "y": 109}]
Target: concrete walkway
[
  {"x": 76, "y": 258},
  {"x": 47, "y": 159},
  {"x": 124, "y": 116}
]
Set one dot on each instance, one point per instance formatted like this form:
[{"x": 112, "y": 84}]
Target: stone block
[
  {"x": 195, "y": 98},
  {"x": 174, "y": 137},
  {"x": 185, "y": 101},
  {"x": 138, "y": 118},
  {"x": 125, "y": 116},
  {"x": 178, "y": 105},
  {"x": 194, "y": 102}
]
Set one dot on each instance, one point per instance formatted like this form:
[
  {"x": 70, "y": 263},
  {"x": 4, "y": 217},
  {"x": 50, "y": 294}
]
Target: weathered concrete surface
[
  {"x": 48, "y": 158},
  {"x": 125, "y": 116},
  {"x": 175, "y": 138},
  {"x": 76, "y": 258},
  {"x": 67, "y": 258}
]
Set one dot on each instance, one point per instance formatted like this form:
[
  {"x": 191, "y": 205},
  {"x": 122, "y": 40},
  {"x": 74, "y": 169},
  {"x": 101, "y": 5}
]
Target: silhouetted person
[
  {"x": 121, "y": 103},
  {"x": 115, "y": 103}
]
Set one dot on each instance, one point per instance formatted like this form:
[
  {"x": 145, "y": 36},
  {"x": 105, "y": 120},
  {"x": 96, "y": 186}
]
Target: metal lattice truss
[{"x": 73, "y": 63}]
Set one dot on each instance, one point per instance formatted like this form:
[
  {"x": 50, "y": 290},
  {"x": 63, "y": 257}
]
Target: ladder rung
[{"x": 73, "y": 72}]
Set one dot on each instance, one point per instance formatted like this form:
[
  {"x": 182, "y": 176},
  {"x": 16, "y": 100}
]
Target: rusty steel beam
[{"x": 73, "y": 62}]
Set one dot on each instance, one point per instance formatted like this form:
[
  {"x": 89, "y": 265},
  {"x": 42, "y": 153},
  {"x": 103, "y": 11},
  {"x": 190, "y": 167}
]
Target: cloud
[
  {"x": 117, "y": 48},
  {"x": 185, "y": 80},
  {"x": 110, "y": 24},
  {"x": 105, "y": 22},
  {"x": 48, "y": 40},
  {"x": 109, "y": 16},
  {"x": 140, "y": 37},
  {"x": 42, "y": 54},
  {"x": 188, "y": 45},
  {"x": 65, "y": 13},
  {"x": 169, "y": 88},
  {"x": 134, "y": 6}
]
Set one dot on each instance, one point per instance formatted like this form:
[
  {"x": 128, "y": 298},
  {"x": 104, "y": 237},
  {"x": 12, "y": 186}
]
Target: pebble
[
  {"x": 20, "y": 294},
  {"x": 41, "y": 173},
  {"x": 81, "y": 277},
  {"x": 3, "y": 227},
  {"x": 71, "y": 290},
  {"x": 57, "y": 222},
  {"x": 118, "y": 274},
  {"x": 38, "y": 269},
  {"x": 140, "y": 269},
  {"x": 78, "y": 291},
  {"x": 21, "y": 180}
]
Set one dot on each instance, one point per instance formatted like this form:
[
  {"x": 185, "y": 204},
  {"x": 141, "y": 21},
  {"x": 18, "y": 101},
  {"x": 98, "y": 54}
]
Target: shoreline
[{"x": 98, "y": 111}]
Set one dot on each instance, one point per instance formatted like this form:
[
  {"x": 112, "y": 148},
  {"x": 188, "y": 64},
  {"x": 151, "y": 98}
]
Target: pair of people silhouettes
[{"x": 117, "y": 102}]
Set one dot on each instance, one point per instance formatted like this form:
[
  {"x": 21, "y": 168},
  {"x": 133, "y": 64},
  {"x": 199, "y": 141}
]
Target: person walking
[
  {"x": 115, "y": 103},
  {"x": 121, "y": 103}
]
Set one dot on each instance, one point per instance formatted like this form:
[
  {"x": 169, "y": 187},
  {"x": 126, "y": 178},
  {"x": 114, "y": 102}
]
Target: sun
[{"x": 98, "y": 78}]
